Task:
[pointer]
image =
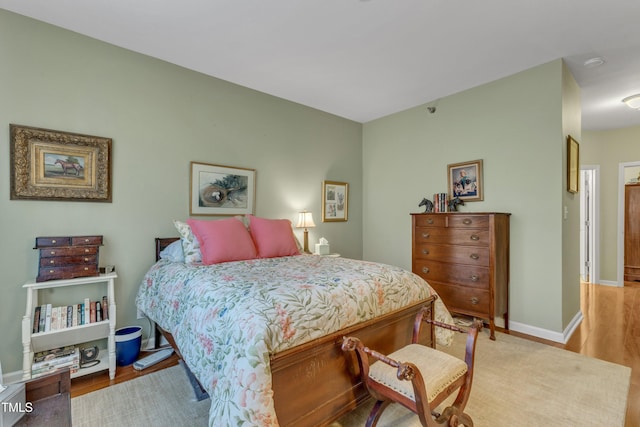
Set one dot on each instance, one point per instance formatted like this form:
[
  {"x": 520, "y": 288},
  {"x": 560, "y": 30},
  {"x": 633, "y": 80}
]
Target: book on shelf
[
  {"x": 92, "y": 311},
  {"x": 47, "y": 324},
  {"x": 98, "y": 312},
  {"x": 74, "y": 315},
  {"x": 87, "y": 311},
  {"x": 36, "y": 319},
  {"x": 105, "y": 308},
  {"x": 43, "y": 317},
  {"x": 69, "y": 316}
]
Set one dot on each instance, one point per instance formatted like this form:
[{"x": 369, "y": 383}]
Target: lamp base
[{"x": 305, "y": 248}]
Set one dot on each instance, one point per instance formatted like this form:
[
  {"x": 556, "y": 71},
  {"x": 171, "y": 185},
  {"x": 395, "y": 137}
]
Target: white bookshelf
[{"x": 34, "y": 342}]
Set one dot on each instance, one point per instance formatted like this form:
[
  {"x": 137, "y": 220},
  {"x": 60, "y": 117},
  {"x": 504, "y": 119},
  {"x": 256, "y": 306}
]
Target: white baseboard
[
  {"x": 559, "y": 337},
  {"x": 610, "y": 283},
  {"x": 12, "y": 377}
]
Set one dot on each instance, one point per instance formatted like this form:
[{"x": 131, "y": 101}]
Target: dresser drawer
[
  {"x": 70, "y": 272},
  {"x": 453, "y": 236},
  {"x": 466, "y": 275},
  {"x": 61, "y": 261},
  {"x": 463, "y": 299},
  {"x": 469, "y": 221},
  {"x": 470, "y": 255},
  {"x": 86, "y": 240},
  {"x": 68, "y": 251},
  {"x": 428, "y": 220},
  {"x": 44, "y": 242}
]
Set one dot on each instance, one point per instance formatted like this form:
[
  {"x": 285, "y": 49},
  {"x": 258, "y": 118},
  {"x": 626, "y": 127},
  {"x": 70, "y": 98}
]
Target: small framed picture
[
  {"x": 221, "y": 190},
  {"x": 465, "y": 181},
  {"x": 573, "y": 165},
  {"x": 335, "y": 201}
]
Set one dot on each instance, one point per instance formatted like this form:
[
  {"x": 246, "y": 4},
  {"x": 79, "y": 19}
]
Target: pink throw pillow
[
  {"x": 273, "y": 237},
  {"x": 223, "y": 240}
]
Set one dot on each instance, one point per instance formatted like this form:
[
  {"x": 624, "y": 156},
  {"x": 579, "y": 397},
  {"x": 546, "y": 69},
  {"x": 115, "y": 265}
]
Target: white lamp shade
[
  {"x": 305, "y": 220},
  {"x": 632, "y": 101}
]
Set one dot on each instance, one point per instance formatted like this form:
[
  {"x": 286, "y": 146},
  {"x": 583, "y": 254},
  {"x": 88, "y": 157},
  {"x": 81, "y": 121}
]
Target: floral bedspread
[{"x": 228, "y": 318}]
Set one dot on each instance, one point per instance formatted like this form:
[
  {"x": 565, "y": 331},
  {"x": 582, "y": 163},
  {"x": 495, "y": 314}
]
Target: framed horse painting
[{"x": 54, "y": 165}]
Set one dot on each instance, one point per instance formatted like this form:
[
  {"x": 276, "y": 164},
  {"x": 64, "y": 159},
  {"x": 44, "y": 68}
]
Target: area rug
[{"x": 517, "y": 383}]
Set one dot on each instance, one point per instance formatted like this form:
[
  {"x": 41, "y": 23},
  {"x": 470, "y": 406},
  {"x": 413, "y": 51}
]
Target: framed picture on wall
[
  {"x": 465, "y": 181},
  {"x": 221, "y": 190},
  {"x": 573, "y": 165},
  {"x": 54, "y": 165},
  {"x": 335, "y": 201}
]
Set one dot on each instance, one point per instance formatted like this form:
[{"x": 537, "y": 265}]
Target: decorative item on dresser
[
  {"x": 67, "y": 257},
  {"x": 465, "y": 258}
]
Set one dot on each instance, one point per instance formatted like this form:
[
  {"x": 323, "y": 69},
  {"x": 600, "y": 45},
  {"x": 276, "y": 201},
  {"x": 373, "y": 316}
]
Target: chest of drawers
[
  {"x": 465, "y": 258},
  {"x": 67, "y": 257}
]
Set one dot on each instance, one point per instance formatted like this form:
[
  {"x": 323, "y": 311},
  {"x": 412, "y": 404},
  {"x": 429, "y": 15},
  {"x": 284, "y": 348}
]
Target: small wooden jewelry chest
[{"x": 68, "y": 257}]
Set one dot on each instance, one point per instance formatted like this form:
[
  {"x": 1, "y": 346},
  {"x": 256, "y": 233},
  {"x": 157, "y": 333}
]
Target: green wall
[
  {"x": 516, "y": 126},
  {"x": 608, "y": 149},
  {"x": 160, "y": 117}
]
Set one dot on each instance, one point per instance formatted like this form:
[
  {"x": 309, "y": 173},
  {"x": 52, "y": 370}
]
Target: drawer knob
[
  {"x": 86, "y": 240},
  {"x": 425, "y": 235},
  {"x": 466, "y": 221},
  {"x": 474, "y": 256},
  {"x": 86, "y": 268},
  {"x": 425, "y": 269},
  {"x": 429, "y": 220},
  {"x": 52, "y": 262},
  {"x": 54, "y": 241},
  {"x": 475, "y": 300},
  {"x": 51, "y": 271},
  {"x": 52, "y": 252},
  {"x": 425, "y": 251},
  {"x": 475, "y": 237},
  {"x": 86, "y": 259},
  {"x": 474, "y": 278},
  {"x": 86, "y": 250}
]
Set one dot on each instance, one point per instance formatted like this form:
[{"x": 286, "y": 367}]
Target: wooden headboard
[{"x": 163, "y": 242}]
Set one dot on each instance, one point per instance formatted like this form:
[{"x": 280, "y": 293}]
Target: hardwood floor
[
  {"x": 610, "y": 331},
  {"x": 93, "y": 382}
]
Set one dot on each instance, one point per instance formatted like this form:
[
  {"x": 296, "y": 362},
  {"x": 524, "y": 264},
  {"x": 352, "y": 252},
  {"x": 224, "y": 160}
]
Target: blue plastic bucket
[{"x": 128, "y": 342}]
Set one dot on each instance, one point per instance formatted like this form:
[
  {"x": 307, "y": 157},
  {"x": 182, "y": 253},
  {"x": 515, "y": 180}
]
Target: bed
[{"x": 262, "y": 336}]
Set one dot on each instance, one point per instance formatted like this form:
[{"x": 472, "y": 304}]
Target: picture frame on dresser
[
  {"x": 465, "y": 181},
  {"x": 221, "y": 190},
  {"x": 55, "y": 165}
]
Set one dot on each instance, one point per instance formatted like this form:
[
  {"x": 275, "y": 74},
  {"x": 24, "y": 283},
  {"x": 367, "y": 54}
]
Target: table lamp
[{"x": 305, "y": 220}]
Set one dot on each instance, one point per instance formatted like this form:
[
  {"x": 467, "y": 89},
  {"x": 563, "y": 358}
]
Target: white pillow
[
  {"x": 173, "y": 252},
  {"x": 190, "y": 244}
]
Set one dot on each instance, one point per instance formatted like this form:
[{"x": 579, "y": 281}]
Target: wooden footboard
[{"x": 316, "y": 383}]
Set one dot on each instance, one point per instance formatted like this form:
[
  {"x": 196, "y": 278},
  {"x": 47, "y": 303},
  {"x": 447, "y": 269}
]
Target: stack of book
[
  {"x": 440, "y": 202},
  {"x": 46, "y": 362},
  {"x": 47, "y": 318}
]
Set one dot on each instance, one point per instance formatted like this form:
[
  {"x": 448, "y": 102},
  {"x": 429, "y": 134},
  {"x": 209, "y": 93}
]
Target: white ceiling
[{"x": 364, "y": 59}]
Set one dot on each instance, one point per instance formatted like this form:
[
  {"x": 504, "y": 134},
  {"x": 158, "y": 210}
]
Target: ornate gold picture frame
[{"x": 53, "y": 165}]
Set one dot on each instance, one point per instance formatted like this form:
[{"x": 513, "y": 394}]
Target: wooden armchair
[{"x": 424, "y": 381}]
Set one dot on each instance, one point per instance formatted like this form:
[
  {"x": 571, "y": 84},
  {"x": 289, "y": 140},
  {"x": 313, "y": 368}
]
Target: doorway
[{"x": 589, "y": 223}]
